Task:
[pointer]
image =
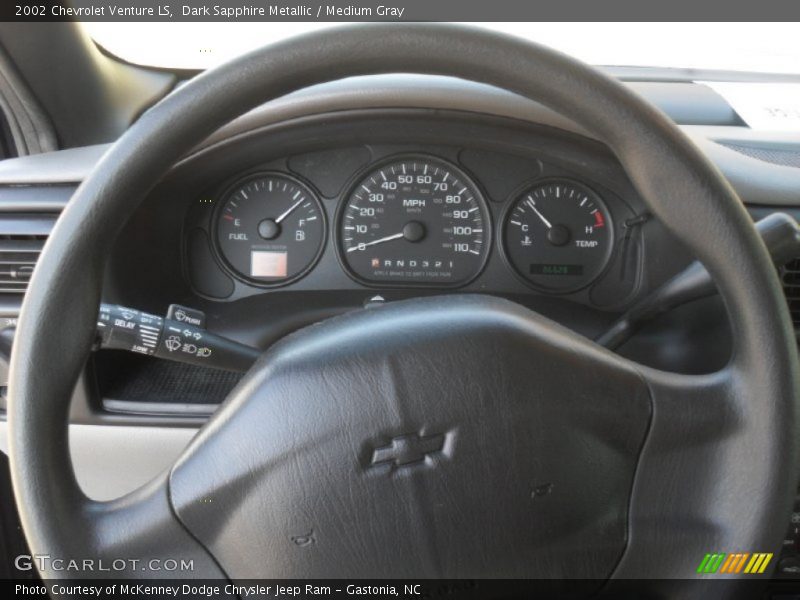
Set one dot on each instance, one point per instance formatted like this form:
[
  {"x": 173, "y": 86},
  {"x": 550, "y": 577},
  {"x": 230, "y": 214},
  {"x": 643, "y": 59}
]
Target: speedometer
[{"x": 417, "y": 221}]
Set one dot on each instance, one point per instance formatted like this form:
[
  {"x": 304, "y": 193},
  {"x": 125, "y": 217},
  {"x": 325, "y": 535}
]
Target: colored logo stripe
[
  {"x": 710, "y": 563},
  {"x": 758, "y": 564},
  {"x": 735, "y": 563}
]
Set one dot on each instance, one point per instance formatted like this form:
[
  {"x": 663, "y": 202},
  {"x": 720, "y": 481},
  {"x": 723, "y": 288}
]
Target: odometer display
[
  {"x": 558, "y": 235},
  {"x": 417, "y": 221}
]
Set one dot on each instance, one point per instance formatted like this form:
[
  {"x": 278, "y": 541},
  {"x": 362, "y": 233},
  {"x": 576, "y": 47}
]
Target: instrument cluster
[{"x": 413, "y": 220}]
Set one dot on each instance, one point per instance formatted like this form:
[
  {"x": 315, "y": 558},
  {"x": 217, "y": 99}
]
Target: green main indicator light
[{"x": 550, "y": 269}]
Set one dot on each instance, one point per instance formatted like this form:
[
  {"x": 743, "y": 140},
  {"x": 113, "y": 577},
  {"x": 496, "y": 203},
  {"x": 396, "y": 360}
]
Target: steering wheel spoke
[
  {"x": 700, "y": 408},
  {"x": 681, "y": 509},
  {"x": 136, "y": 536}
]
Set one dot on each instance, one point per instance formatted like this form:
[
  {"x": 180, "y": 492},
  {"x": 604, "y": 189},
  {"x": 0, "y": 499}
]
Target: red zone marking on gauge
[{"x": 599, "y": 221}]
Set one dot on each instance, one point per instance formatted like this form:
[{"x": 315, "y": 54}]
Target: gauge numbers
[{"x": 414, "y": 221}]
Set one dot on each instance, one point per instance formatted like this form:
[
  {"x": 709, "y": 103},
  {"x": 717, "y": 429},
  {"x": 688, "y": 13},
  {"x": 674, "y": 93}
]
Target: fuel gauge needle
[
  {"x": 388, "y": 238},
  {"x": 532, "y": 204},
  {"x": 288, "y": 211}
]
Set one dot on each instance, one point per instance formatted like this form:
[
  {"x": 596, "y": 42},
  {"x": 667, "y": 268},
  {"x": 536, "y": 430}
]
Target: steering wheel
[{"x": 458, "y": 436}]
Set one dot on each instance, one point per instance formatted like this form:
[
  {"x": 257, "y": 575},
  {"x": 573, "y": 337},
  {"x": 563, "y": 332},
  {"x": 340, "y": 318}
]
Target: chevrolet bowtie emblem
[{"x": 407, "y": 449}]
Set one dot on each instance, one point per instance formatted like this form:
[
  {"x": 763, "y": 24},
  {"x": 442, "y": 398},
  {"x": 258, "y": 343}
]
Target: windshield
[{"x": 747, "y": 47}]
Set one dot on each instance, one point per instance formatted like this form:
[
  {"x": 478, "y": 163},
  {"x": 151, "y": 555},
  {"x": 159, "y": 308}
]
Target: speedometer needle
[
  {"x": 287, "y": 212},
  {"x": 388, "y": 238},
  {"x": 538, "y": 214}
]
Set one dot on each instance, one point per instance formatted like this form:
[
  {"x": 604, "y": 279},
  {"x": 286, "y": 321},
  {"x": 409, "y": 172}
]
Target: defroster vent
[{"x": 21, "y": 240}]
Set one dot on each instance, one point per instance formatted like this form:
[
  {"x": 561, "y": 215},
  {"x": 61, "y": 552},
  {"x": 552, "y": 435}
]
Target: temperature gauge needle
[
  {"x": 388, "y": 238},
  {"x": 532, "y": 204}
]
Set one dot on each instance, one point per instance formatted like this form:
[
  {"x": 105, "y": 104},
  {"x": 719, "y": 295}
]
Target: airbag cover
[{"x": 444, "y": 437}]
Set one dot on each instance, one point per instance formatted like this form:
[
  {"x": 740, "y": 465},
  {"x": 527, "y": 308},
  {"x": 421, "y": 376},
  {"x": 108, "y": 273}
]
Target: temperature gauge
[{"x": 558, "y": 235}]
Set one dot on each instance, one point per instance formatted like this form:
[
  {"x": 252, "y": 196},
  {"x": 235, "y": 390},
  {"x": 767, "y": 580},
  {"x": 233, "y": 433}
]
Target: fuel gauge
[
  {"x": 558, "y": 235},
  {"x": 270, "y": 228}
]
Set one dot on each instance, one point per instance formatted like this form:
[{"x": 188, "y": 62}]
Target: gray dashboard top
[{"x": 703, "y": 115}]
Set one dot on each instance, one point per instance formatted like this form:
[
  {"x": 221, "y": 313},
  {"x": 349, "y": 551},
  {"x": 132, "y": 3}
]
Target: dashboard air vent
[
  {"x": 21, "y": 240},
  {"x": 790, "y": 276}
]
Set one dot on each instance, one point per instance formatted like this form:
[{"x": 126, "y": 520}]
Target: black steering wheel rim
[{"x": 679, "y": 185}]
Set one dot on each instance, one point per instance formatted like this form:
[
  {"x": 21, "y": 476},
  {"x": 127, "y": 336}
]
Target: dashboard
[
  {"x": 278, "y": 226},
  {"x": 372, "y": 190},
  {"x": 256, "y": 279},
  {"x": 421, "y": 203}
]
